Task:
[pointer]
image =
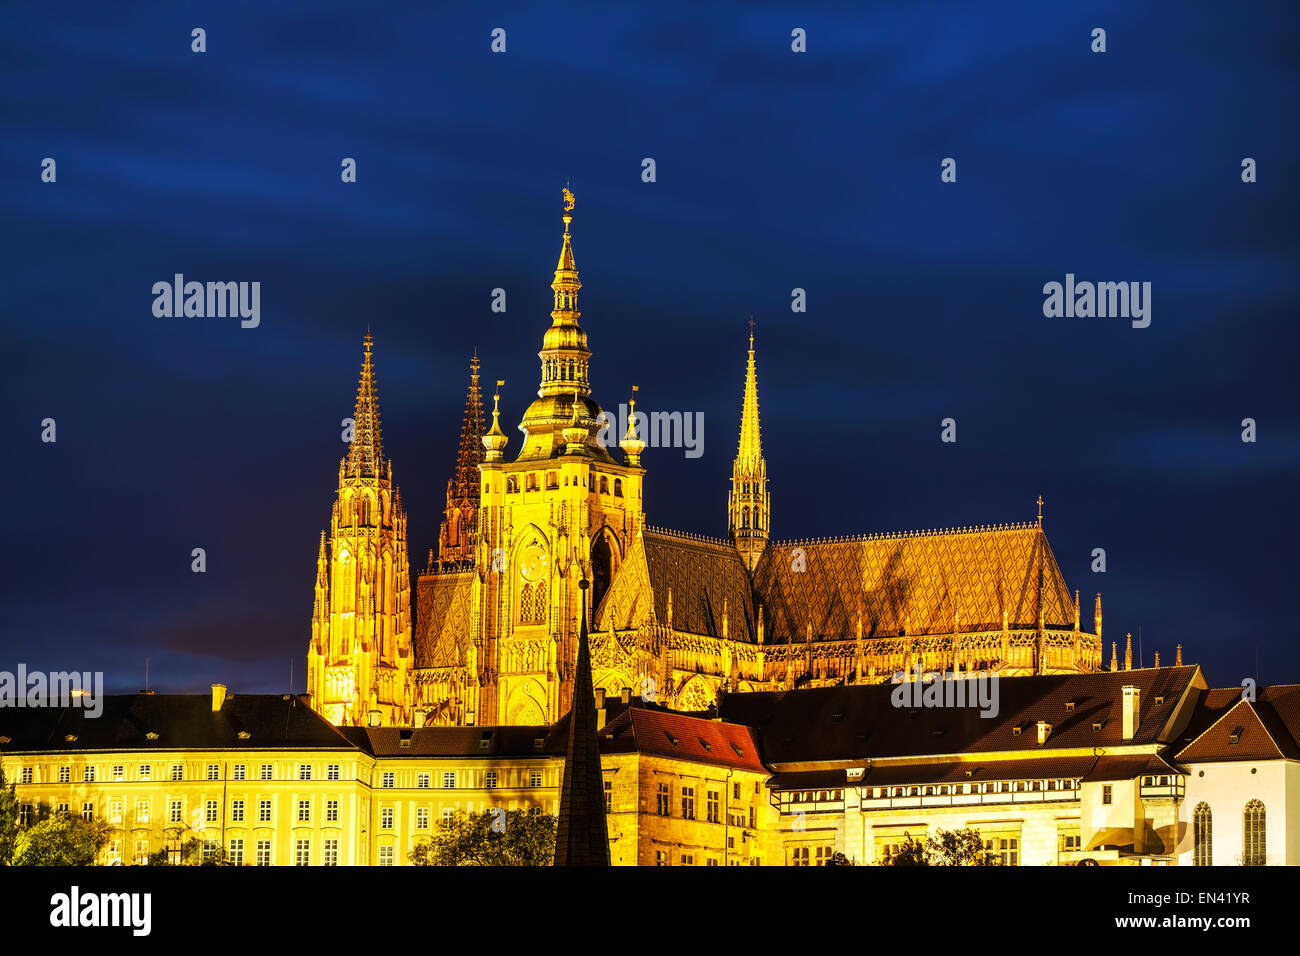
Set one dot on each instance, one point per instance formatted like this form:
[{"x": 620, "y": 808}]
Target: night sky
[{"x": 775, "y": 170}]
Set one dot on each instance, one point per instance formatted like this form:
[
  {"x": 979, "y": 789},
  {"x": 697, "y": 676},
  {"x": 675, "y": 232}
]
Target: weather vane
[{"x": 568, "y": 199}]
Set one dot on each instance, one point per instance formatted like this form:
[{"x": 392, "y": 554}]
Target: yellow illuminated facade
[{"x": 677, "y": 616}]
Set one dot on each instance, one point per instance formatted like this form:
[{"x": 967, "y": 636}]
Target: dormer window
[{"x": 1235, "y": 737}]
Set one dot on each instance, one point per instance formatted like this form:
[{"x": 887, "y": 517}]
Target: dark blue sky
[{"x": 775, "y": 171}]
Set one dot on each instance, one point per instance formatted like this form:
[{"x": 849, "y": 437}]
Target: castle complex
[{"x": 678, "y": 617}]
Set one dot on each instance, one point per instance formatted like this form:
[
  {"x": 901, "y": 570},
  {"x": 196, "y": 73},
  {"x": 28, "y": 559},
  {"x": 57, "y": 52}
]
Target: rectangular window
[
  {"x": 331, "y": 852},
  {"x": 753, "y": 815},
  {"x": 711, "y": 807},
  {"x": 237, "y": 811},
  {"x": 664, "y": 807},
  {"x": 688, "y": 859},
  {"x": 65, "y": 775},
  {"x": 142, "y": 811},
  {"x": 535, "y": 778},
  {"x": 422, "y": 781},
  {"x": 332, "y": 772},
  {"x": 491, "y": 780},
  {"x": 142, "y": 852},
  {"x": 210, "y": 811},
  {"x": 304, "y": 771},
  {"x": 448, "y": 816},
  {"x": 302, "y": 853},
  {"x": 799, "y": 856},
  {"x": 266, "y": 771},
  {"x": 824, "y": 855},
  {"x": 24, "y": 814},
  {"x": 386, "y": 818},
  {"x": 214, "y": 771},
  {"x": 449, "y": 780},
  {"x": 88, "y": 775},
  {"x": 88, "y": 810},
  {"x": 661, "y": 857},
  {"x": 178, "y": 771},
  {"x": 146, "y": 771},
  {"x": 331, "y": 811},
  {"x": 385, "y": 856},
  {"x": 388, "y": 780},
  {"x": 175, "y": 813},
  {"x": 240, "y": 772},
  {"x": 304, "y": 811},
  {"x": 236, "y": 854},
  {"x": 1106, "y": 794},
  {"x": 609, "y": 796},
  {"x": 115, "y": 812},
  {"x": 735, "y": 790},
  {"x": 264, "y": 811},
  {"x": 263, "y": 852},
  {"x": 688, "y": 803},
  {"x": 118, "y": 772},
  {"x": 422, "y": 818}
]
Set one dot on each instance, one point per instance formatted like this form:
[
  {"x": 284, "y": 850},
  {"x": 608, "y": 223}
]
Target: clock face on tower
[{"x": 532, "y": 563}]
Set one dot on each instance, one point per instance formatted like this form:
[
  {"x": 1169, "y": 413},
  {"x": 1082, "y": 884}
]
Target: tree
[
  {"x": 8, "y": 820},
  {"x": 61, "y": 839},
  {"x": 942, "y": 848},
  {"x": 190, "y": 853},
  {"x": 839, "y": 859},
  {"x": 493, "y": 837}
]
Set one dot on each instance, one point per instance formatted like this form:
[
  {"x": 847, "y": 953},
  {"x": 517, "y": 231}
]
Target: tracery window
[
  {"x": 1202, "y": 833},
  {"x": 1253, "y": 851}
]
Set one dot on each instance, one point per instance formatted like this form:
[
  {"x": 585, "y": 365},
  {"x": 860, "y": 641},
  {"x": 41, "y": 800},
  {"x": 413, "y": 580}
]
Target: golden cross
[{"x": 1040, "y": 511}]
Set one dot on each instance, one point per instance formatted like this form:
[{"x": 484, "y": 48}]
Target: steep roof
[
  {"x": 704, "y": 576},
  {"x": 918, "y": 581},
  {"x": 662, "y": 733},
  {"x": 1228, "y": 727},
  {"x": 180, "y": 721},
  {"x": 857, "y": 722},
  {"x": 443, "y": 618}
]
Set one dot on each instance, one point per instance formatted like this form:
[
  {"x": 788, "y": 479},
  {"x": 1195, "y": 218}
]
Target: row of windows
[
  {"x": 144, "y": 771},
  {"x": 688, "y": 859},
  {"x": 388, "y": 779},
  {"x": 553, "y": 482},
  {"x": 712, "y": 804},
  {"x": 949, "y": 789}
]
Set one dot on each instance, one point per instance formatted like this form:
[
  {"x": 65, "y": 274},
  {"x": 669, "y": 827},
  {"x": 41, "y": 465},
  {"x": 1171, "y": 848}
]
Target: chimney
[
  {"x": 375, "y": 718},
  {"x": 600, "y": 708},
  {"x": 1044, "y": 731},
  {"x": 1131, "y": 711},
  {"x": 625, "y": 695},
  {"x": 218, "y": 697}
]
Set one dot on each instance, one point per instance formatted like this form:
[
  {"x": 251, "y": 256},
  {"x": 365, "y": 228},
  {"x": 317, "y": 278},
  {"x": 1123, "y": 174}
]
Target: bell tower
[{"x": 359, "y": 660}]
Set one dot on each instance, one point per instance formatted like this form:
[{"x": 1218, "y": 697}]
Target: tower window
[
  {"x": 618, "y": 487},
  {"x": 604, "y": 485}
]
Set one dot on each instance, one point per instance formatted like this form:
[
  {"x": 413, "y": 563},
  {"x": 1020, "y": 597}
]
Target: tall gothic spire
[
  {"x": 460, "y": 517},
  {"x": 366, "y": 453},
  {"x": 582, "y": 837},
  {"x": 749, "y": 504}
]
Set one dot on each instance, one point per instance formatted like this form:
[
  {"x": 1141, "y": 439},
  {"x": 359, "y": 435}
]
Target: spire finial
[
  {"x": 1040, "y": 511},
  {"x": 751, "y": 333},
  {"x": 1128, "y": 652},
  {"x": 495, "y": 440},
  {"x": 1178, "y": 656}
]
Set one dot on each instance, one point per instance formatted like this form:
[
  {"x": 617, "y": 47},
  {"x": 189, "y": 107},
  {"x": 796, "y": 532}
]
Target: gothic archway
[{"x": 604, "y": 562}]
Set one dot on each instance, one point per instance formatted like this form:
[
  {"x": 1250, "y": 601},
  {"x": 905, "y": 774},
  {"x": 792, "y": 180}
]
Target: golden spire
[
  {"x": 749, "y": 504},
  {"x": 1114, "y": 657},
  {"x": 495, "y": 440},
  {"x": 1178, "y": 656},
  {"x": 1128, "y": 653},
  {"x": 750, "y": 451},
  {"x": 1040, "y": 512},
  {"x": 366, "y": 453},
  {"x": 632, "y": 444}
]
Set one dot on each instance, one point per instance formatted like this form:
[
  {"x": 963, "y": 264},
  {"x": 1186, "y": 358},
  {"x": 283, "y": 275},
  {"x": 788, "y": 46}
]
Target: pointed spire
[
  {"x": 1178, "y": 656},
  {"x": 632, "y": 444},
  {"x": 495, "y": 440},
  {"x": 460, "y": 517},
  {"x": 750, "y": 452},
  {"x": 1096, "y": 617},
  {"x": 1128, "y": 653},
  {"x": 366, "y": 454},
  {"x": 582, "y": 836},
  {"x": 1114, "y": 657},
  {"x": 749, "y": 504}
]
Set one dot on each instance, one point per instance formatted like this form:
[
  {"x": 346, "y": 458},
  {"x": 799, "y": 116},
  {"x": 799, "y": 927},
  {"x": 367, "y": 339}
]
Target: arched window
[
  {"x": 1253, "y": 850},
  {"x": 618, "y": 487},
  {"x": 1202, "y": 833},
  {"x": 744, "y": 518},
  {"x": 511, "y": 485}
]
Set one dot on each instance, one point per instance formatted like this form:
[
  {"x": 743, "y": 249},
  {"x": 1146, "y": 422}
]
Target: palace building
[{"x": 677, "y": 616}]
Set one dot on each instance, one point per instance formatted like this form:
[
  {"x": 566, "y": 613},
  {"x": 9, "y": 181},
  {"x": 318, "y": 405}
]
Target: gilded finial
[
  {"x": 495, "y": 440},
  {"x": 1040, "y": 511},
  {"x": 568, "y": 199},
  {"x": 751, "y": 333},
  {"x": 1178, "y": 656}
]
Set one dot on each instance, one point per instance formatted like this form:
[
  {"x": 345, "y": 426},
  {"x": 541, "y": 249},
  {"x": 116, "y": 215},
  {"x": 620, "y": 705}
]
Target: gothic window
[
  {"x": 511, "y": 485},
  {"x": 758, "y": 519},
  {"x": 365, "y": 511},
  {"x": 618, "y": 487},
  {"x": 1252, "y": 837},
  {"x": 1202, "y": 831},
  {"x": 532, "y": 604},
  {"x": 744, "y": 518}
]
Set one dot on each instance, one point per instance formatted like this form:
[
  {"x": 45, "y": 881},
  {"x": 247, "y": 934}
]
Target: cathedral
[{"x": 677, "y": 617}]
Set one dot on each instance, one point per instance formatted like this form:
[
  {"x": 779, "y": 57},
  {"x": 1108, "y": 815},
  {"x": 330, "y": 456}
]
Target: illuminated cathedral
[{"x": 678, "y": 618}]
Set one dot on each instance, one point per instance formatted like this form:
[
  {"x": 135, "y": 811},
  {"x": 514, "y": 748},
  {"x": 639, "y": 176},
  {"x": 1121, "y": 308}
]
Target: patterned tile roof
[
  {"x": 703, "y": 576},
  {"x": 443, "y": 618},
  {"x": 918, "y": 581},
  {"x": 1266, "y": 729},
  {"x": 665, "y": 734}
]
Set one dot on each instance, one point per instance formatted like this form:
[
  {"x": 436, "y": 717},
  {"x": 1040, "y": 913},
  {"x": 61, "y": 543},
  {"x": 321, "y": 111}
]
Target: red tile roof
[{"x": 696, "y": 739}]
